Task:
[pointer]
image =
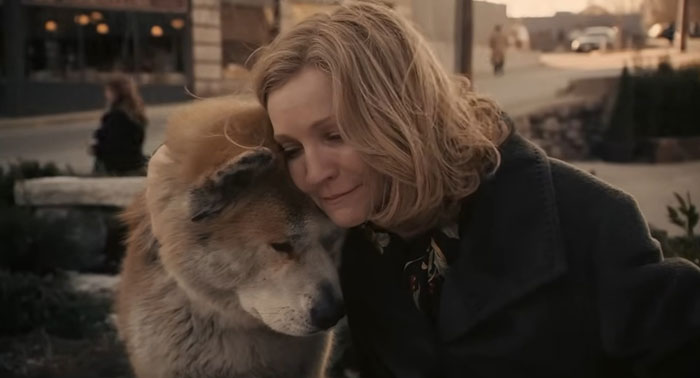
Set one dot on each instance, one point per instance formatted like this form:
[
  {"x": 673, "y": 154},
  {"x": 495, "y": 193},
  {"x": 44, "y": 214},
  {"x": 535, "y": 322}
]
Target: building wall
[
  {"x": 486, "y": 17},
  {"x": 436, "y": 21},
  {"x": 548, "y": 33},
  {"x": 244, "y": 28},
  {"x": 206, "y": 46},
  {"x": 294, "y": 11}
]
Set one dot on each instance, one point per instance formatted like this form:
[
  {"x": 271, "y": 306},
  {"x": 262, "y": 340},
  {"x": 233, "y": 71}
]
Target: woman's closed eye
[
  {"x": 333, "y": 137},
  {"x": 290, "y": 151}
]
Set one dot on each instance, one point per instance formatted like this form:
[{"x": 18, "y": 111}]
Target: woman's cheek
[{"x": 296, "y": 171}]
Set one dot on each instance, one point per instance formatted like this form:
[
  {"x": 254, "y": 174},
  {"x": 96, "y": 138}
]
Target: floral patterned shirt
[{"x": 427, "y": 259}]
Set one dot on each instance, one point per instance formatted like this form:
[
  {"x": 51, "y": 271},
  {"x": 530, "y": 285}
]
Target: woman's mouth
[{"x": 338, "y": 196}]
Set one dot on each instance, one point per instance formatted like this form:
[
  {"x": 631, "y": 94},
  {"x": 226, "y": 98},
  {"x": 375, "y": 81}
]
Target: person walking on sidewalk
[
  {"x": 118, "y": 142},
  {"x": 498, "y": 43}
]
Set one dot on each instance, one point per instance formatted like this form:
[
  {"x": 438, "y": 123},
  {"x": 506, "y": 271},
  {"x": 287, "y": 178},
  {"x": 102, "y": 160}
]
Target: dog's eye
[{"x": 284, "y": 247}]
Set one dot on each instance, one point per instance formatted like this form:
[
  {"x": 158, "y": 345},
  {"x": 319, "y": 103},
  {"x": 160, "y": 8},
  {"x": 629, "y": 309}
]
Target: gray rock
[{"x": 551, "y": 125}]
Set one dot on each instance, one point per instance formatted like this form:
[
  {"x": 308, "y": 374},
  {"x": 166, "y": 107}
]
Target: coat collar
[{"x": 510, "y": 240}]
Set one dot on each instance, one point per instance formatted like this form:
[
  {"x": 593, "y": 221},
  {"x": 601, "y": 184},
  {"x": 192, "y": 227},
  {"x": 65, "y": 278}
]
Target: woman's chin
[{"x": 346, "y": 217}]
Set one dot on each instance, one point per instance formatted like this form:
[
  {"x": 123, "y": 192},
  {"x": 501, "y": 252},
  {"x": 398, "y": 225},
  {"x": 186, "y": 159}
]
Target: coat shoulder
[{"x": 588, "y": 198}]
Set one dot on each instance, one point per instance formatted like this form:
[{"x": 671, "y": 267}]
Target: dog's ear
[{"x": 236, "y": 175}]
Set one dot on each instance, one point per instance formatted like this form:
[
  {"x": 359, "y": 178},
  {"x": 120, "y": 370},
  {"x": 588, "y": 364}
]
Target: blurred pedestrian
[
  {"x": 118, "y": 142},
  {"x": 498, "y": 43}
]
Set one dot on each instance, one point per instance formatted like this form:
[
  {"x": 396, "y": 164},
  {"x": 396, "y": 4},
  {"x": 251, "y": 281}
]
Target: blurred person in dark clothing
[{"x": 117, "y": 143}]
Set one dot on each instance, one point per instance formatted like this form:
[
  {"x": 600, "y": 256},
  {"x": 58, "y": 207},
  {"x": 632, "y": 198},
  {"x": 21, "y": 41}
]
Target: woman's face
[
  {"x": 321, "y": 164},
  {"x": 109, "y": 95}
]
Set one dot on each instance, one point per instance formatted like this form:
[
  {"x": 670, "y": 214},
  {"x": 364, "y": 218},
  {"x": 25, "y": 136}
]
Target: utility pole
[
  {"x": 464, "y": 37},
  {"x": 682, "y": 25}
]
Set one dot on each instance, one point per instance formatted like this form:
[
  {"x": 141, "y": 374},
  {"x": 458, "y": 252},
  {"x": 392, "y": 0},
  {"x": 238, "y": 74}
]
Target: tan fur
[{"x": 201, "y": 298}]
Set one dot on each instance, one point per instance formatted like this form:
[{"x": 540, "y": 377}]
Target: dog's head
[{"x": 234, "y": 230}]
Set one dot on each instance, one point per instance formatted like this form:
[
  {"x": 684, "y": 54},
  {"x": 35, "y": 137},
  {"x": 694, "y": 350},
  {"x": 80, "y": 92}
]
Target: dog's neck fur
[{"x": 196, "y": 325}]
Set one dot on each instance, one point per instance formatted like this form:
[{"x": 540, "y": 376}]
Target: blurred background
[{"x": 611, "y": 86}]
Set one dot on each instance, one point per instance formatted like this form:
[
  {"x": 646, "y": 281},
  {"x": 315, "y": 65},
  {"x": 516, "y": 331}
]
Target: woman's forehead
[{"x": 302, "y": 102}]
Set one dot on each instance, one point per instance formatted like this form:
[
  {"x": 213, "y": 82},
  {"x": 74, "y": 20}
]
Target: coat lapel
[
  {"x": 510, "y": 241},
  {"x": 405, "y": 339}
]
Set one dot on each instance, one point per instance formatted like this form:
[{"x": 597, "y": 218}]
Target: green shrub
[
  {"x": 685, "y": 216},
  {"x": 32, "y": 244},
  {"x": 31, "y": 302},
  {"x": 622, "y": 124},
  {"x": 652, "y": 104},
  {"x": 666, "y": 102}
]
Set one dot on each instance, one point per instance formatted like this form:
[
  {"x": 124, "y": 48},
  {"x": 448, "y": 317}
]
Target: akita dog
[{"x": 230, "y": 271}]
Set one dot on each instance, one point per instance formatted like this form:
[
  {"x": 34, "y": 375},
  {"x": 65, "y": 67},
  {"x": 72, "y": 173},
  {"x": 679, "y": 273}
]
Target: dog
[{"x": 230, "y": 271}]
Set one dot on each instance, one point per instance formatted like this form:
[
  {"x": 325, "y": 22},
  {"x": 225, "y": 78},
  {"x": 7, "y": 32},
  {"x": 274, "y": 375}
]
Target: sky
[{"x": 535, "y": 8}]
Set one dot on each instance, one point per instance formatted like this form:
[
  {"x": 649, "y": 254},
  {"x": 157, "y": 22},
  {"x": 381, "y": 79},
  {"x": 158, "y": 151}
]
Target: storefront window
[
  {"x": 72, "y": 44},
  {"x": 3, "y": 71}
]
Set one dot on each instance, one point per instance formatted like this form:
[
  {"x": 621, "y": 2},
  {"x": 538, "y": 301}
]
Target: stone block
[
  {"x": 70, "y": 191},
  {"x": 206, "y": 3},
  {"x": 207, "y": 71},
  {"x": 206, "y": 16},
  {"x": 207, "y": 35},
  {"x": 210, "y": 54},
  {"x": 207, "y": 87},
  {"x": 551, "y": 125}
]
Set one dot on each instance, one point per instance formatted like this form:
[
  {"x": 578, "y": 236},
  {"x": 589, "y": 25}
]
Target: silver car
[{"x": 595, "y": 38}]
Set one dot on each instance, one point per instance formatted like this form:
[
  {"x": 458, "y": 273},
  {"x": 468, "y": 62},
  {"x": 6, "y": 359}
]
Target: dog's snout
[{"x": 328, "y": 309}]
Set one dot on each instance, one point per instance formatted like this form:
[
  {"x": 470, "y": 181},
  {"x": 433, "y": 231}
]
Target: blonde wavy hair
[{"x": 427, "y": 135}]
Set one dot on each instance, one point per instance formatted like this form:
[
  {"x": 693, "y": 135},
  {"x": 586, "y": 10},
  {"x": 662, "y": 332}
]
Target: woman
[
  {"x": 469, "y": 253},
  {"x": 117, "y": 143}
]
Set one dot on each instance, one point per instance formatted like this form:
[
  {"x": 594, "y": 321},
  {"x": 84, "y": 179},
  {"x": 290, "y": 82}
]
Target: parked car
[{"x": 595, "y": 38}]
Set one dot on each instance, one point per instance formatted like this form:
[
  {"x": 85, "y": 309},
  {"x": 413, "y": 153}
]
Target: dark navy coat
[{"x": 557, "y": 276}]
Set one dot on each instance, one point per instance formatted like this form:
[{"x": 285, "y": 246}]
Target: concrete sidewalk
[
  {"x": 152, "y": 111},
  {"x": 651, "y": 185}
]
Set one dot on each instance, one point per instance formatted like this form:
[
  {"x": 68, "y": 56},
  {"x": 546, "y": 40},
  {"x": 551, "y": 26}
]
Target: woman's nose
[{"x": 319, "y": 167}]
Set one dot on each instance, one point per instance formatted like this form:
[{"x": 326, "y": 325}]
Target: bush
[
  {"x": 652, "y": 104},
  {"x": 666, "y": 102},
  {"x": 33, "y": 244},
  {"x": 31, "y": 302},
  {"x": 685, "y": 216}
]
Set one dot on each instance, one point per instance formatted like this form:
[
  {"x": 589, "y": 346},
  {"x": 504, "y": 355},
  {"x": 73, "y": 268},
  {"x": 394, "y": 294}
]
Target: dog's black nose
[{"x": 328, "y": 309}]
